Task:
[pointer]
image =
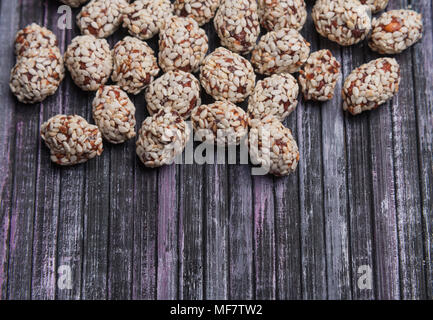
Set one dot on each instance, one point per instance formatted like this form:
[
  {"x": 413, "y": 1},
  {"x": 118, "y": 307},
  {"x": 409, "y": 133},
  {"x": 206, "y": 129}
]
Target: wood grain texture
[
  {"x": 408, "y": 198},
  {"x": 9, "y": 17},
  {"x": 145, "y": 227},
  {"x": 24, "y": 184},
  {"x": 47, "y": 196},
  {"x": 168, "y": 234},
  {"x": 383, "y": 196},
  {"x": 313, "y": 247},
  {"x": 191, "y": 251},
  {"x": 422, "y": 60},
  {"x": 359, "y": 188},
  {"x": 287, "y": 231},
  {"x": 335, "y": 192},
  {"x": 241, "y": 226},
  {"x": 264, "y": 237},
  {"x": 216, "y": 227},
  {"x": 362, "y": 197},
  {"x": 216, "y": 213}
]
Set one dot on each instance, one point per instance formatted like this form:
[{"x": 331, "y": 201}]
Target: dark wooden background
[{"x": 362, "y": 195}]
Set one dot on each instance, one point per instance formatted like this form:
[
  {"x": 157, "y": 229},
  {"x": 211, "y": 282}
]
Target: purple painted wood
[
  {"x": 73, "y": 192},
  {"x": 145, "y": 229},
  {"x": 313, "y": 247},
  {"x": 335, "y": 192},
  {"x": 287, "y": 231},
  {"x": 241, "y": 224},
  {"x": 47, "y": 195},
  {"x": 9, "y": 17},
  {"x": 191, "y": 198},
  {"x": 359, "y": 188},
  {"x": 383, "y": 196},
  {"x": 167, "y": 263},
  {"x": 24, "y": 184},
  {"x": 408, "y": 197},
  {"x": 264, "y": 237},
  {"x": 361, "y": 196},
  {"x": 423, "y": 92},
  {"x": 216, "y": 214},
  {"x": 121, "y": 222},
  {"x": 217, "y": 227}
]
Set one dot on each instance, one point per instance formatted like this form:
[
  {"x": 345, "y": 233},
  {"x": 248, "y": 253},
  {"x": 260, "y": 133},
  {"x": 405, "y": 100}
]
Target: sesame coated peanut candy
[
  {"x": 71, "y": 139},
  {"x": 370, "y": 85}
]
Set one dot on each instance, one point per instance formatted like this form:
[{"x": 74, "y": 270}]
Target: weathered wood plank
[
  {"x": 407, "y": 189},
  {"x": 264, "y": 237},
  {"x": 96, "y": 211},
  {"x": 9, "y": 17},
  {"x": 145, "y": 223},
  {"x": 121, "y": 223},
  {"x": 287, "y": 231},
  {"x": 191, "y": 192},
  {"x": 359, "y": 188},
  {"x": 74, "y": 184},
  {"x": 242, "y": 277},
  {"x": 145, "y": 233},
  {"x": 295, "y": 246},
  {"x": 47, "y": 192},
  {"x": 335, "y": 191},
  {"x": 422, "y": 55},
  {"x": 97, "y": 215},
  {"x": 311, "y": 190},
  {"x": 24, "y": 189},
  {"x": 216, "y": 250},
  {"x": 383, "y": 195},
  {"x": 168, "y": 234}
]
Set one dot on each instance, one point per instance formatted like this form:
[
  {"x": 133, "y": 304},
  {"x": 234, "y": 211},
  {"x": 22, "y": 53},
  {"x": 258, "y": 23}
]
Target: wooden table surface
[{"x": 361, "y": 198}]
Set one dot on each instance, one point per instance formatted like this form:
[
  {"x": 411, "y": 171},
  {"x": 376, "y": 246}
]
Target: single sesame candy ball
[
  {"x": 182, "y": 45},
  {"x": 375, "y": 5},
  {"x": 35, "y": 78},
  {"x": 227, "y": 76},
  {"x": 71, "y": 139},
  {"x": 161, "y": 138},
  {"x": 89, "y": 61},
  {"x": 319, "y": 76},
  {"x": 74, "y": 3},
  {"x": 371, "y": 85},
  {"x": 237, "y": 25},
  {"x": 272, "y": 146},
  {"x": 39, "y": 69},
  {"x": 280, "y": 51},
  {"x": 135, "y": 65},
  {"x": 276, "y": 95},
  {"x": 144, "y": 18},
  {"x": 33, "y": 38},
  {"x": 395, "y": 31},
  {"x": 114, "y": 114},
  {"x": 346, "y": 22},
  {"x": 222, "y": 123},
  {"x": 101, "y": 18},
  {"x": 278, "y": 14},
  {"x": 177, "y": 90},
  {"x": 201, "y": 11}
]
